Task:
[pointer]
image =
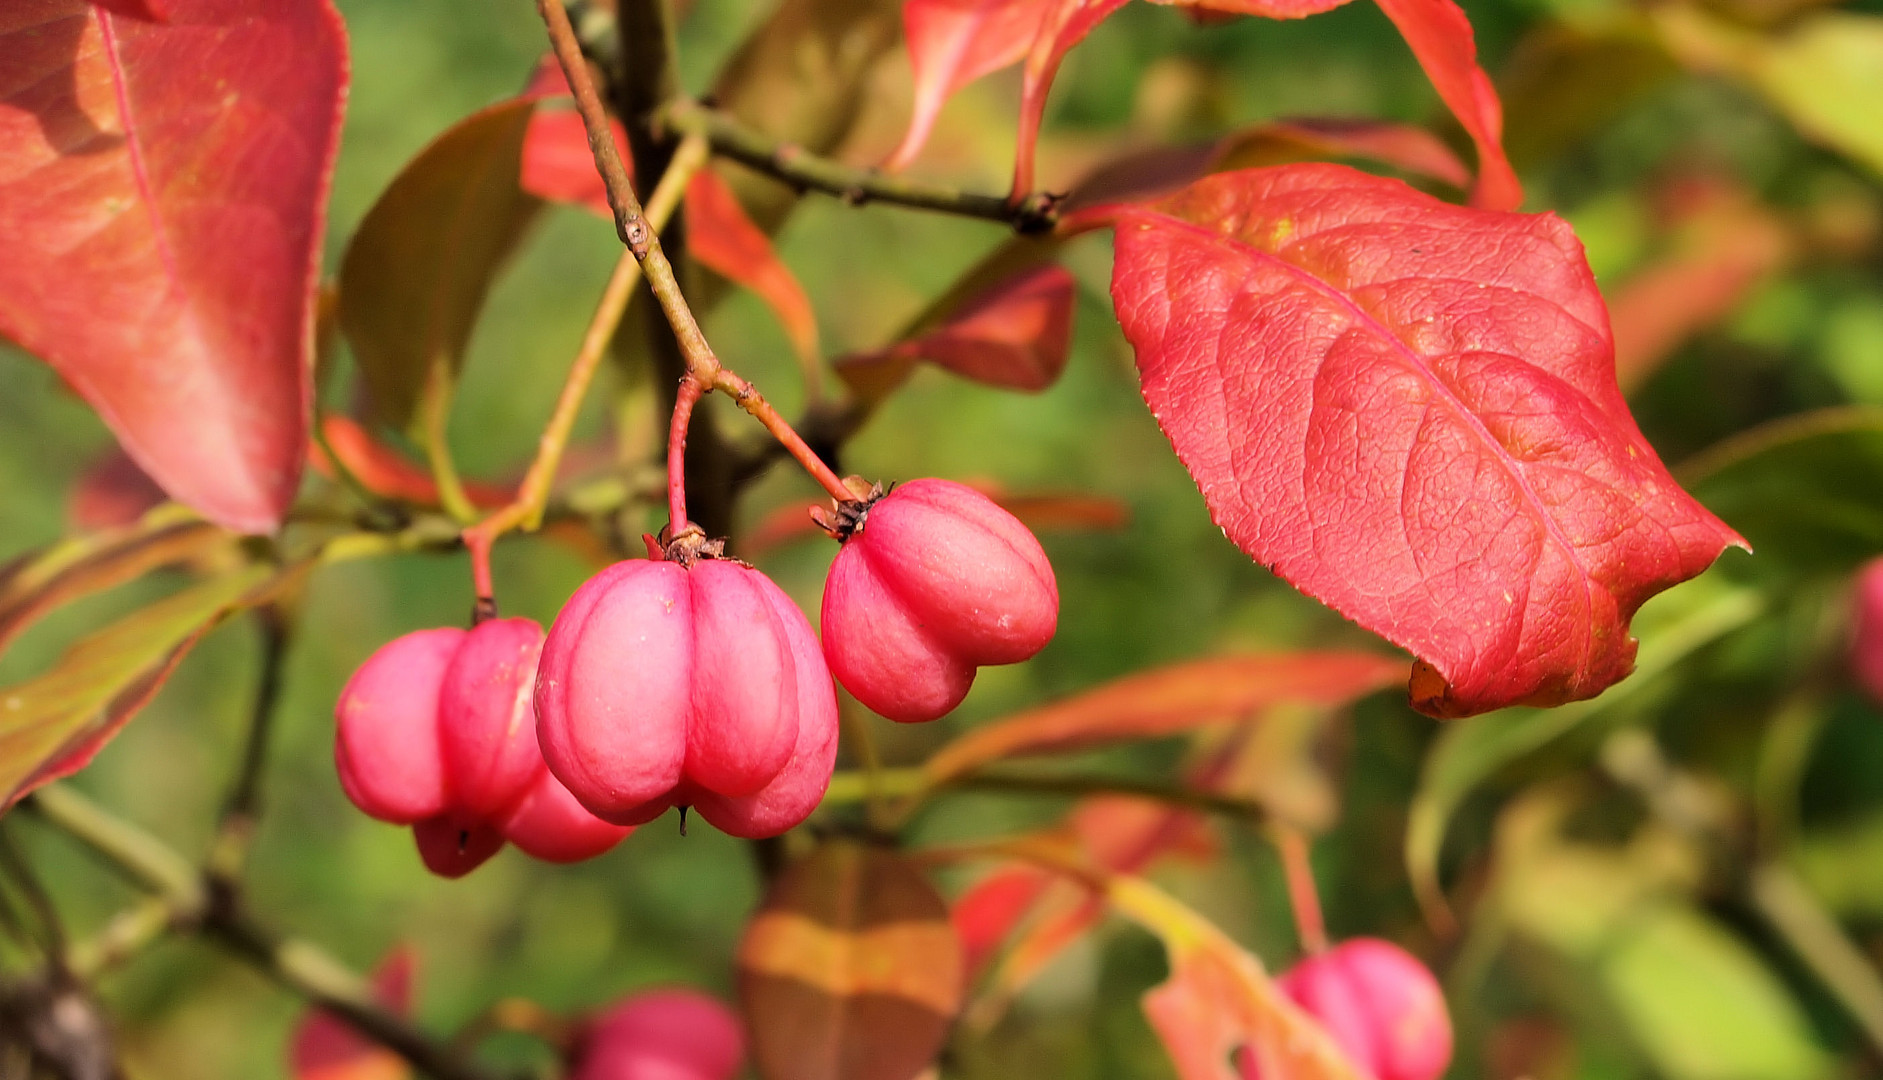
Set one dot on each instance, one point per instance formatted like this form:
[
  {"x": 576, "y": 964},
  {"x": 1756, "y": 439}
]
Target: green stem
[
  {"x": 435, "y": 416},
  {"x": 799, "y": 167},
  {"x": 1821, "y": 943}
]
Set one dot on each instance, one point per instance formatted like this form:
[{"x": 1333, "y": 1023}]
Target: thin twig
[
  {"x": 434, "y": 408},
  {"x": 235, "y": 831},
  {"x": 807, "y": 171},
  {"x": 526, "y": 510},
  {"x": 300, "y": 966},
  {"x": 703, "y": 367}
]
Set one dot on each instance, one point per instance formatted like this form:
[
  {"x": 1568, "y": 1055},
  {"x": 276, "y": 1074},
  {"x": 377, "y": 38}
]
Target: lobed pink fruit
[
  {"x": 662, "y": 1035},
  {"x": 1866, "y": 632},
  {"x": 935, "y": 581},
  {"x": 1381, "y": 1006},
  {"x": 666, "y": 685},
  {"x": 436, "y": 731}
]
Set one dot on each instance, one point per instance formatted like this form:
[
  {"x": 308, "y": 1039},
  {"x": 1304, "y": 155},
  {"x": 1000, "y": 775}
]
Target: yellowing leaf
[
  {"x": 52, "y": 725},
  {"x": 851, "y": 970}
]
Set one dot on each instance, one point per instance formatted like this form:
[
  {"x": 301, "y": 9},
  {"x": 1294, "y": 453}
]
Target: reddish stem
[
  {"x": 1292, "y": 844},
  {"x": 683, "y": 402},
  {"x": 761, "y": 410}
]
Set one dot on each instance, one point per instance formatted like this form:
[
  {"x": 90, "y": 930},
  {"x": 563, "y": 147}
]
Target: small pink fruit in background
[
  {"x": 933, "y": 581},
  {"x": 1380, "y": 1004},
  {"x": 669, "y": 1034},
  {"x": 698, "y": 685},
  {"x": 436, "y": 731},
  {"x": 1866, "y": 631}
]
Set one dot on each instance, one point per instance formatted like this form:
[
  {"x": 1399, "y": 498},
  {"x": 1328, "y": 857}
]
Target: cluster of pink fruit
[
  {"x": 687, "y": 680},
  {"x": 669, "y": 1034}
]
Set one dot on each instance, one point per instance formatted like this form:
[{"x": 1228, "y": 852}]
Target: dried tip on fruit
[
  {"x": 934, "y": 580},
  {"x": 1380, "y": 1005}
]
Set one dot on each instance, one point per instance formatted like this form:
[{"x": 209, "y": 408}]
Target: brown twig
[
  {"x": 300, "y": 966},
  {"x": 1037, "y": 213},
  {"x": 703, "y": 369}
]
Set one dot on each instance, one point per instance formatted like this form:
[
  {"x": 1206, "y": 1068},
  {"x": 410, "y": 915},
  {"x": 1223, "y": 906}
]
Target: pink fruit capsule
[
  {"x": 486, "y": 726},
  {"x": 387, "y": 743},
  {"x": 934, "y": 582},
  {"x": 665, "y": 685},
  {"x": 436, "y": 731},
  {"x": 1382, "y": 1007},
  {"x": 548, "y": 824},
  {"x": 668, "y": 1034}
]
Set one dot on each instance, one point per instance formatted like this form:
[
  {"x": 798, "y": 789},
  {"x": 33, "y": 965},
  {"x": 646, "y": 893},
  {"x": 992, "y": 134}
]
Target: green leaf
[
  {"x": 51, "y": 726},
  {"x": 416, "y": 274},
  {"x": 1806, "y": 490},
  {"x": 1701, "y": 1005},
  {"x": 41, "y": 581},
  {"x": 1825, "y": 74},
  {"x": 1672, "y": 627}
]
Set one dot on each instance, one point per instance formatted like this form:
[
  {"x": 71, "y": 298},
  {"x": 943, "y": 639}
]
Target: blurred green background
[{"x": 1607, "y": 136}]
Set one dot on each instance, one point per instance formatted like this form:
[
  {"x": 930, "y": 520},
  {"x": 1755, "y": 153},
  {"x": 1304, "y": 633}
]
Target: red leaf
[
  {"x": 951, "y": 44},
  {"x": 327, "y": 1048},
  {"x": 174, "y": 292},
  {"x": 1408, "y": 409},
  {"x": 152, "y": 10},
  {"x": 1015, "y": 335},
  {"x": 557, "y": 164},
  {"x": 1441, "y": 38},
  {"x": 724, "y": 239}
]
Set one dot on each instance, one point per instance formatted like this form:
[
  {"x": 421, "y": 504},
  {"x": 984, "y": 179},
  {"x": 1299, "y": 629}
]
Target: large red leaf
[
  {"x": 1408, "y": 409},
  {"x": 162, "y": 198}
]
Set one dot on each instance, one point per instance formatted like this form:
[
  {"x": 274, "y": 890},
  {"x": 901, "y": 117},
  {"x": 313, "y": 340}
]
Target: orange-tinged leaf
[
  {"x": 851, "y": 969},
  {"x": 34, "y": 585},
  {"x": 1015, "y": 335},
  {"x": 951, "y": 44},
  {"x": 724, "y": 240},
  {"x": 558, "y": 165},
  {"x": 416, "y": 273},
  {"x": 1725, "y": 245},
  {"x": 1169, "y": 701},
  {"x": 384, "y": 471},
  {"x": 1441, "y": 38},
  {"x": 1408, "y": 410},
  {"x": 324, "y": 1047},
  {"x": 52, "y": 725},
  {"x": 173, "y": 292},
  {"x": 1218, "y": 999}
]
